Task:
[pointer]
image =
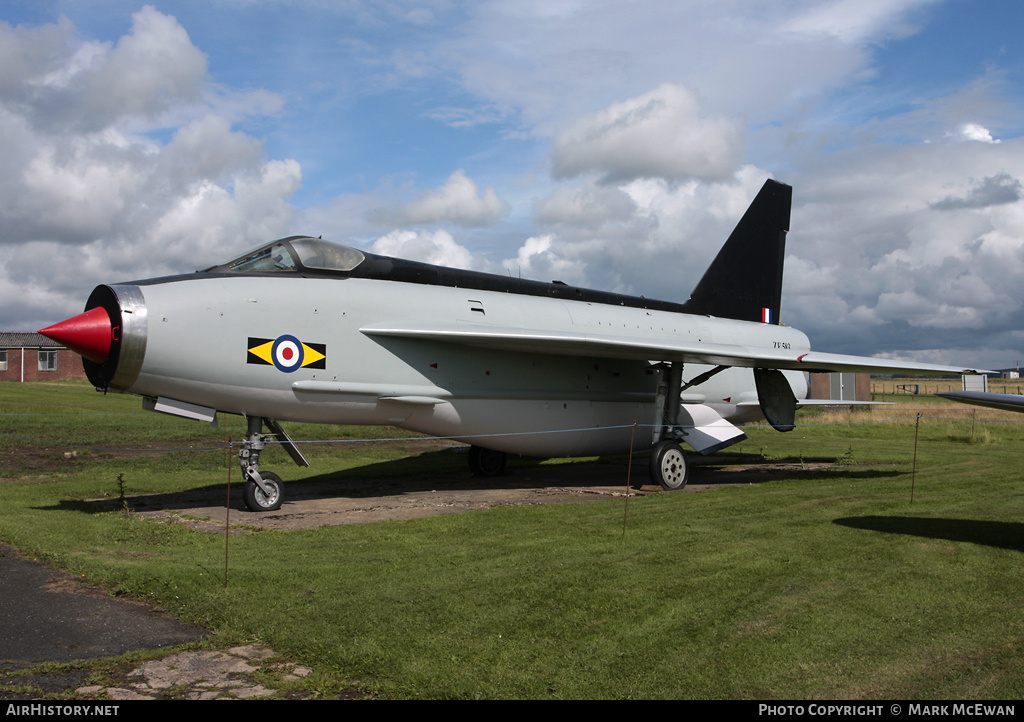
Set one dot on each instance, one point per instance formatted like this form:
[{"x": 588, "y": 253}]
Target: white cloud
[
  {"x": 588, "y": 209},
  {"x": 546, "y": 67},
  {"x": 33, "y": 57},
  {"x": 973, "y": 131},
  {"x": 918, "y": 310},
  {"x": 458, "y": 201},
  {"x": 149, "y": 69},
  {"x": 436, "y": 247},
  {"x": 207, "y": 149},
  {"x": 930, "y": 240},
  {"x": 210, "y": 224},
  {"x": 659, "y": 134},
  {"x": 87, "y": 196},
  {"x": 89, "y": 86},
  {"x": 853, "y": 21},
  {"x": 649, "y": 236},
  {"x": 536, "y": 261},
  {"x": 994, "y": 190}
]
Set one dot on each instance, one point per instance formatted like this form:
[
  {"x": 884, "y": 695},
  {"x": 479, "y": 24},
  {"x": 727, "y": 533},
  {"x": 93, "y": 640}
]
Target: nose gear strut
[{"x": 264, "y": 491}]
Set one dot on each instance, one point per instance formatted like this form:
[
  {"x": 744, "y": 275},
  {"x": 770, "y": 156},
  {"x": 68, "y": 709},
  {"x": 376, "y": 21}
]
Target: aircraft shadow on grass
[
  {"x": 999, "y": 534},
  {"x": 445, "y": 469}
]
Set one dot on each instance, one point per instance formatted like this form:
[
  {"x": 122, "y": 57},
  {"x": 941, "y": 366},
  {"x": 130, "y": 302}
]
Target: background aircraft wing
[
  {"x": 573, "y": 343},
  {"x": 1006, "y": 402}
]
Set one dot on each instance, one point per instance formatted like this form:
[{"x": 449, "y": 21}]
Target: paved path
[{"x": 46, "y": 616}]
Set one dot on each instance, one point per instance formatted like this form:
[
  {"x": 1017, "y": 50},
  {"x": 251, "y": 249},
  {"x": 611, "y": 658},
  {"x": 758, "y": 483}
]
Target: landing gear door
[{"x": 778, "y": 404}]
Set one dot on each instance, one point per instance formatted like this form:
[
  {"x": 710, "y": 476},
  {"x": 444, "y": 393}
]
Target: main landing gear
[
  {"x": 486, "y": 462},
  {"x": 669, "y": 467},
  {"x": 264, "y": 491}
]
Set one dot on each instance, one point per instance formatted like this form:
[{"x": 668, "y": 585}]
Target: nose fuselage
[{"x": 110, "y": 335}]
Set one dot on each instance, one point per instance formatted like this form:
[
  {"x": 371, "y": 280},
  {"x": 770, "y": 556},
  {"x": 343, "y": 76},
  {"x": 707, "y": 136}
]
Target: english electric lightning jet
[{"x": 309, "y": 331}]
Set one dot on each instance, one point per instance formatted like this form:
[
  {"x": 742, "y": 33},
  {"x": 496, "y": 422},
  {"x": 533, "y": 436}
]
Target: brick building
[{"x": 33, "y": 357}]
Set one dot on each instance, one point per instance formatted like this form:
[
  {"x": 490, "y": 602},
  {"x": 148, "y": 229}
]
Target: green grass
[{"x": 829, "y": 584}]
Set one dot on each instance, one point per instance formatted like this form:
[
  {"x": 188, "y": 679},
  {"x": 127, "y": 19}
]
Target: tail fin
[{"x": 744, "y": 281}]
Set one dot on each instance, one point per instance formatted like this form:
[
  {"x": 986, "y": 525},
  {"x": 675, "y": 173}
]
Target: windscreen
[{"x": 315, "y": 253}]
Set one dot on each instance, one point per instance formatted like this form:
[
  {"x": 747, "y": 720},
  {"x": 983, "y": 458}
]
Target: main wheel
[
  {"x": 486, "y": 462},
  {"x": 257, "y": 500},
  {"x": 668, "y": 466}
]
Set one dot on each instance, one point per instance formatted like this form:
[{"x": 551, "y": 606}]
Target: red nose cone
[{"x": 88, "y": 334}]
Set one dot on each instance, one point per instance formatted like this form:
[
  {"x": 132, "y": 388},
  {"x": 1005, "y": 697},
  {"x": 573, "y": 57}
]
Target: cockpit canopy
[
  {"x": 295, "y": 254},
  {"x": 307, "y": 257}
]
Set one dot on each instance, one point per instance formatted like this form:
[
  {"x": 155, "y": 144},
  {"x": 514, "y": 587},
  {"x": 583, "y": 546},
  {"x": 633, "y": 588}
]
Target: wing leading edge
[{"x": 568, "y": 343}]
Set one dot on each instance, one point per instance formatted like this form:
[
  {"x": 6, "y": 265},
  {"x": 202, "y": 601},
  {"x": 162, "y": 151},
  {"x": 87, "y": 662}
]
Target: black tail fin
[{"x": 745, "y": 279}]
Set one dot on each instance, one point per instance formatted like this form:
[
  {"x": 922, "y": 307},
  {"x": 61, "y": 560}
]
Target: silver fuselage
[{"x": 192, "y": 337}]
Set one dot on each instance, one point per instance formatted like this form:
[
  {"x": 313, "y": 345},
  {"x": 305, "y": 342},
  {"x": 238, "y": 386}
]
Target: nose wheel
[
  {"x": 264, "y": 490},
  {"x": 265, "y": 497}
]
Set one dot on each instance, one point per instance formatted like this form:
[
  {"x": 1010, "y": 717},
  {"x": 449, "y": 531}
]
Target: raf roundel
[{"x": 287, "y": 353}]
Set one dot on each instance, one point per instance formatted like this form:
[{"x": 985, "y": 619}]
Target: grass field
[{"x": 870, "y": 579}]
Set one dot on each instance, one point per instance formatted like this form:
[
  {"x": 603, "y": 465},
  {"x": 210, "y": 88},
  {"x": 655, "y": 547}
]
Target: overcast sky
[{"x": 602, "y": 143}]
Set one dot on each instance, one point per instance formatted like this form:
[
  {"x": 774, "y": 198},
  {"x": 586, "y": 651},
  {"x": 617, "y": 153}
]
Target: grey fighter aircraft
[{"x": 308, "y": 331}]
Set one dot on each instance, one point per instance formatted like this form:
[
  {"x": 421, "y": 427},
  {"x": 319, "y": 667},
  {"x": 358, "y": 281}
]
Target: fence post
[{"x": 913, "y": 476}]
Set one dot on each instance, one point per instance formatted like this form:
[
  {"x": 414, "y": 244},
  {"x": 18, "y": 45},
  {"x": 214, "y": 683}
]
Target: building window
[
  {"x": 3, "y": 360},
  {"x": 47, "y": 360}
]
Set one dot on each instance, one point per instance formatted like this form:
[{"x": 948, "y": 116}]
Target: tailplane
[{"x": 744, "y": 281}]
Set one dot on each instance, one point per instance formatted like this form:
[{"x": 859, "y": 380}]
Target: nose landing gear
[{"x": 264, "y": 491}]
